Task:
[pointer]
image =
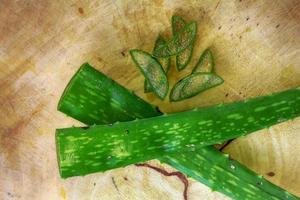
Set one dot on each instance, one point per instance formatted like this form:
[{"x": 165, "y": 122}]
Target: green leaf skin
[
  {"x": 206, "y": 62},
  {"x": 103, "y": 147},
  {"x": 165, "y": 62},
  {"x": 218, "y": 171},
  {"x": 194, "y": 84},
  {"x": 152, "y": 71},
  {"x": 179, "y": 43},
  {"x": 204, "y": 160},
  {"x": 90, "y": 91},
  {"x": 183, "y": 58}
]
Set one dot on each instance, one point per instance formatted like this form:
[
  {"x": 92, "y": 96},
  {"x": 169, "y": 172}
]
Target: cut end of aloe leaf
[
  {"x": 153, "y": 72},
  {"x": 193, "y": 85},
  {"x": 90, "y": 95},
  {"x": 180, "y": 41},
  {"x": 206, "y": 62}
]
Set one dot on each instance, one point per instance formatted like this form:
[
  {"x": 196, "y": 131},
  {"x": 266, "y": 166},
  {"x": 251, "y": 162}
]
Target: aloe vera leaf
[
  {"x": 208, "y": 157},
  {"x": 205, "y": 159},
  {"x": 153, "y": 72},
  {"x": 219, "y": 172},
  {"x": 90, "y": 91},
  {"x": 205, "y": 63},
  {"x": 193, "y": 84},
  {"x": 165, "y": 62},
  {"x": 179, "y": 42},
  {"x": 183, "y": 58},
  {"x": 102, "y": 147}
]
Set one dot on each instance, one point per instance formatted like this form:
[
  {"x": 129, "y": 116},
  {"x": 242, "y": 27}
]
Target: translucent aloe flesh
[
  {"x": 193, "y": 84},
  {"x": 152, "y": 71},
  {"x": 183, "y": 58},
  {"x": 219, "y": 172},
  {"x": 179, "y": 43},
  {"x": 165, "y": 62},
  {"x": 104, "y": 147},
  {"x": 91, "y": 98}
]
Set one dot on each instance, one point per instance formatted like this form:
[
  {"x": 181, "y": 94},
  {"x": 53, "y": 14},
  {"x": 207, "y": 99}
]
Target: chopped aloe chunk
[
  {"x": 183, "y": 58},
  {"x": 90, "y": 91},
  {"x": 153, "y": 72},
  {"x": 193, "y": 84},
  {"x": 165, "y": 62},
  {"x": 180, "y": 42},
  {"x": 206, "y": 62}
]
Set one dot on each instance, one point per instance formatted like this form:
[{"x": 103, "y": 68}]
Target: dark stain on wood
[
  {"x": 81, "y": 11},
  {"x": 11, "y": 137},
  {"x": 217, "y": 5},
  {"x": 271, "y": 174},
  {"x": 114, "y": 183},
  {"x": 123, "y": 53},
  {"x": 179, "y": 175},
  {"x": 277, "y": 26}
]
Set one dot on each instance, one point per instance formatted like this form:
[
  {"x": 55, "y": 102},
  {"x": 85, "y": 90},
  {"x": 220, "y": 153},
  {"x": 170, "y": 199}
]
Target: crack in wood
[
  {"x": 114, "y": 183},
  {"x": 179, "y": 175}
]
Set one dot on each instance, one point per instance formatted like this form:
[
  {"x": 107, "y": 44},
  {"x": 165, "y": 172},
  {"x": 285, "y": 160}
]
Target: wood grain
[{"x": 43, "y": 42}]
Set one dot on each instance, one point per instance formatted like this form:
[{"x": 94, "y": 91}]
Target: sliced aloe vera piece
[
  {"x": 183, "y": 58},
  {"x": 178, "y": 24},
  {"x": 102, "y": 147},
  {"x": 180, "y": 41},
  {"x": 90, "y": 91},
  {"x": 193, "y": 84},
  {"x": 219, "y": 172},
  {"x": 206, "y": 62},
  {"x": 165, "y": 62},
  {"x": 153, "y": 72}
]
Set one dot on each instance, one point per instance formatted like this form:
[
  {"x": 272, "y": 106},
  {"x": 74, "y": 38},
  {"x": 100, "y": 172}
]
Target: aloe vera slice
[
  {"x": 183, "y": 58},
  {"x": 193, "y": 84},
  {"x": 219, "y": 172},
  {"x": 153, "y": 72},
  {"x": 90, "y": 91},
  {"x": 205, "y": 63},
  {"x": 180, "y": 41},
  {"x": 102, "y": 147},
  {"x": 165, "y": 62}
]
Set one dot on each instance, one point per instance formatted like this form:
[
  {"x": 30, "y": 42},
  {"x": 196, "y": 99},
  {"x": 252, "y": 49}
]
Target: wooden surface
[{"x": 43, "y": 42}]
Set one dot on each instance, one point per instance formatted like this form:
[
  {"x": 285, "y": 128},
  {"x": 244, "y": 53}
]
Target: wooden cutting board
[{"x": 43, "y": 42}]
